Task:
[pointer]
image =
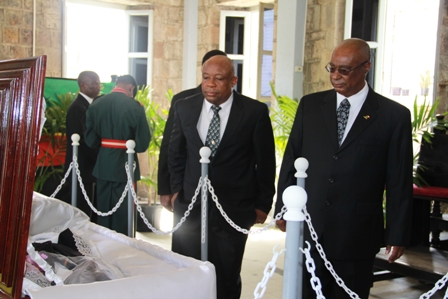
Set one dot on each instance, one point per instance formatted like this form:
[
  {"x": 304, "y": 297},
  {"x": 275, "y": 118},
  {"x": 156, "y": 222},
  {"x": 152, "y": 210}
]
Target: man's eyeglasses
[{"x": 342, "y": 70}]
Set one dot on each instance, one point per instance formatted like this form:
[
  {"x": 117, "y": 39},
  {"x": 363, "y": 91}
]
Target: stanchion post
[
  {"x": 75, "y": 143},
  {"x": 301, "y": 165},
  {"x": 205, "y": 153},
  {"x": 294, "y": 198},
  {"x": 130, "y": 145}
]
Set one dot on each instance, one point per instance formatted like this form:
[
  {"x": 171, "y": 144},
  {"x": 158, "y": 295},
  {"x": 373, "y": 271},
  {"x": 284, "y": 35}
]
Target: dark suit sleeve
[
  {"x": 76, "y": 123},
  {"x": 292, "y": 152},
  {"x": 163, "y": 174},
  {"x": 177, "y": 154},
  {"x": 399, "y": 184},
  {"x": 265, "y": 160},
  {"x": 91, "y": 137}
]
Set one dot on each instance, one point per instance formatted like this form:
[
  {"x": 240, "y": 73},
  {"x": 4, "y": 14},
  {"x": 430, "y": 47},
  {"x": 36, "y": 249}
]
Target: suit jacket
[
  {"x": 242, "y": 172},
  {"x": 76, "y": 123},
  {"x": 345, "y": 184},
  {"x": 163, "y": 174},
  {"x": 116, "y": 116}
]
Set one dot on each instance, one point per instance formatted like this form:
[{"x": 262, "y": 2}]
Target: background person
[
  {"x": 346, "y": 181},
  {"x": 242, "y": 170},
  {"x": 111, "y": 121},
  {"x": 89, "y": 88},
  {"x": 163, "y": 179}
]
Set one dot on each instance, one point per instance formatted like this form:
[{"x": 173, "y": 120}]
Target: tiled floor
[{"x": 259, "y": 251}]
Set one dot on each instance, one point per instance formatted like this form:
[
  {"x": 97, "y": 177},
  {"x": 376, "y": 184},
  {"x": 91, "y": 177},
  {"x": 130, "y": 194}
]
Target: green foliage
[
  {"x": 422, "y": 125},
  {"x": 156, "y": 117},
  {"x": 283, "y": 112},
  {"x": 53, "y": 133}
]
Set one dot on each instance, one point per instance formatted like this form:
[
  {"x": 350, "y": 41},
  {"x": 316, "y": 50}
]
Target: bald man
[
  {"x": 358, "y": 144},
  {"x": 242, "y": 170}
]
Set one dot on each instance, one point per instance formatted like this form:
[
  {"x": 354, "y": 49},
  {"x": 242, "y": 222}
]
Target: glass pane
[
  {"x": 238, "y": 64},
  {"x": 139, "y": 68},
  {"x": 266, "y": 75},
  {"x": 234, "y": 35},
  {"x": 268, "y": 29},
  {"x": 138, "y": 35}
]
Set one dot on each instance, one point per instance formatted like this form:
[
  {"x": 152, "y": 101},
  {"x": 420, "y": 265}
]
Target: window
[
  {"x": 403, "y": 51},
  {"x": 100, "y": 44},
  {"x": 140, "y": 31},
  {"x": 247, "y": 38},
  {"x": 266, "y": 43}
]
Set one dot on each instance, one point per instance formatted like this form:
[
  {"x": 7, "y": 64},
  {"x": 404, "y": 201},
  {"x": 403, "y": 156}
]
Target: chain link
[
  {"x": 233, "y": 224},
  {"x": 269, "y": 270},
  {"x": 142, "y": 214},
  {"x": 438, "y": 286},
  {"x": 62, "y": 181},
  {"x": 328, "y": 265}
]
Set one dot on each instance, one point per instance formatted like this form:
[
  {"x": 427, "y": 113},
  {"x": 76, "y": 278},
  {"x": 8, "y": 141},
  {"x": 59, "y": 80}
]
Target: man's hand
[
  {"x": 167, "y": 201},
  {"x": 397, "y": 252},
  {"x": 261, "y": 216},
  {"x": 281, "y": 224}
]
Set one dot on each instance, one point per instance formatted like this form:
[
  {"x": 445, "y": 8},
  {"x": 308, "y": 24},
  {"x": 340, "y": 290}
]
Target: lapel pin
[{"x": 366, "y": 116}]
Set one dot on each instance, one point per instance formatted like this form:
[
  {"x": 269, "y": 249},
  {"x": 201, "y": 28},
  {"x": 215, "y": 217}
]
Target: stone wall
[
  {"x": 324, "y": 30},
  {"x": 442, "y": 84},
  {"x": 16, "y": 27},
  {"x": 168, "y": 48}
]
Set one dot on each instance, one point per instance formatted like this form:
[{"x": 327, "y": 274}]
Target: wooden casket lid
[{"x": 21, "y": 97}]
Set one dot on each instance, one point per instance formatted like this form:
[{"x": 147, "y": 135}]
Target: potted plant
[
  {"x": 53, "y": 144},
  {"x": 156, "y": 117},
  {"x": 423, "y": 124},
  {"x": 283, "y": 112},
  {"x": 425, "y": 81}
]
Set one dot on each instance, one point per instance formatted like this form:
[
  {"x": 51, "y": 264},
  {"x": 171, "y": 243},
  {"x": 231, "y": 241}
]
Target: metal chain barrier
[
  {"x": 438, "y": 286},
  {"x": 86, "y": 197},
  {"x": 268, "y": 272},
  {"x": 311, "y": 268},
  {"x": 328, "y": 265},
  {"x": 62, "y": 181},
  {"x": 235, "y": 226},
  {"x": 142, "y": 214}
]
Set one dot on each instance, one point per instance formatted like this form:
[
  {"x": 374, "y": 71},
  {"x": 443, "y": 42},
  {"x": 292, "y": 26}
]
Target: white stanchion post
[
  {"x": 301, "y": 165},
  {"x": 130, "y": 145},
  {"x": 75, "y": 143},
  {"x": 205, "y": 153},
  {"x": 294, "y": 198}
]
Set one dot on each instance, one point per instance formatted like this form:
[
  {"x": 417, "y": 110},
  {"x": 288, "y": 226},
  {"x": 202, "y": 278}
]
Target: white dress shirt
[
  {"x": 356, "y": 101},
  {"x": 89, "y": 99},
  {"x": 207, "y": 114}
]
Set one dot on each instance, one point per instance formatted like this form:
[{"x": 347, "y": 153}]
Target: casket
[
  {"x": 149, "y": 271},
  {"x": 146, "y": 271}
]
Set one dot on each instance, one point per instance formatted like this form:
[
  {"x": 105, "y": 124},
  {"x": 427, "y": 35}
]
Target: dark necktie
[
  {"x": 342, "y": 116},
  {"x": 212, "y": 140}
]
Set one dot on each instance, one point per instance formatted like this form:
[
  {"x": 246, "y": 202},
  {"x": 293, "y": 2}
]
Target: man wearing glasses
[{"x": 359, "y": 145}]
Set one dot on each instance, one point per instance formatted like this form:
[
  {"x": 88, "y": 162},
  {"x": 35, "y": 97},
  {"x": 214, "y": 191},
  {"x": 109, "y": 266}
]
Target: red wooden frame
[{"x": 21, "y": 96}]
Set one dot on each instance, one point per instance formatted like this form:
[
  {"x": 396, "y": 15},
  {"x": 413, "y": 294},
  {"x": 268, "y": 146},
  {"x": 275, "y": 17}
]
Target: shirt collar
[
  {"x": 356, "y": 99},
  {"x": 223, "y": 106},
  {"x": 89, "y": 99}
]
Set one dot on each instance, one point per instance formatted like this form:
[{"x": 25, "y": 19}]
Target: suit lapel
[
  {"x": 366, "y": 116},
  {"x": 235, "y": 116},
  {"x": 328, "y": 109}
]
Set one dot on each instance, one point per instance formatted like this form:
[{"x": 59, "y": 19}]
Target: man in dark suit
[
  {"x": 346, "y": 180},
  {"x": 242, "y": 170},
  {"x": 111, "y": 121},
  {"x": 89, "y": 87},
  {"x": 163, "y": 175}
]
